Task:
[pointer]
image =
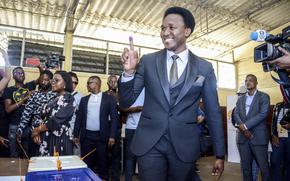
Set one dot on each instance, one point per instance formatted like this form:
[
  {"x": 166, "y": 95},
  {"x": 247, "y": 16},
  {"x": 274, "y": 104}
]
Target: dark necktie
[{"x": 173, "y": 70}]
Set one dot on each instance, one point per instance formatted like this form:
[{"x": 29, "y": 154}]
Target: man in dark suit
[
  {"x": 92, "y": 128},
  {"x": 166, "y": 140},
  {"x": 252, "y": 136}
]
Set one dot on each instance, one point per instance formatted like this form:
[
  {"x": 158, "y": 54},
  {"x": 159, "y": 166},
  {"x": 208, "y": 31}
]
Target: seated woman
[{"x": 55, "y": 135}]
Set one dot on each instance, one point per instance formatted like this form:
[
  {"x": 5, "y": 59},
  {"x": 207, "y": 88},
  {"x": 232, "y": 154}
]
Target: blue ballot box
[{"x": 82, "y": 174}]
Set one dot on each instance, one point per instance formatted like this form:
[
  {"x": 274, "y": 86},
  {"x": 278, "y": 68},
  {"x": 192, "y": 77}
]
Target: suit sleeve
[
  {"x": 213, "y": 114},
  {"x": 236, "y": 112},
  {"x": 263, "y": 112},
  {"x": 78, "y": 122},
  {"x": 113, "y": 117},
  {"x": 129, "y": 91}
]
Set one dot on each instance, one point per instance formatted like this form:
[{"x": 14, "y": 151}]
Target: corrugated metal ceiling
[{"x": 222, "y": 24}]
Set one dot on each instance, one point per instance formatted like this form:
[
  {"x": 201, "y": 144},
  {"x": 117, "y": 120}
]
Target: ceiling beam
[{"x": 230, "y": 18}]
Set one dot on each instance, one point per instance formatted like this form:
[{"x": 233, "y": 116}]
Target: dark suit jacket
[
  {"x": 180, "y": 119},
  {"x": 108, "y": 112},
  {"x": 256, "y": 118}
]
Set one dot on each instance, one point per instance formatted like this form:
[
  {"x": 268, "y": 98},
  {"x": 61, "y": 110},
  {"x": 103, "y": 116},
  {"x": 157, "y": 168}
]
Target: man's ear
[{"x": 187, "y": 32}]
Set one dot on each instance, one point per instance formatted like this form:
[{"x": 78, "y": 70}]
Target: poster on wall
[{"x": 233, "y": 153}]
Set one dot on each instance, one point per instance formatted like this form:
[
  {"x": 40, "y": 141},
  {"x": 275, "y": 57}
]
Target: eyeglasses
[
  {"x": 75, "y": 82},
  {"x": 88, "y": 83},
  {"x": 19, "y": 73}
]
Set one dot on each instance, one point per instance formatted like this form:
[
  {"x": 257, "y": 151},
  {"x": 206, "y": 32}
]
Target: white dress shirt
[
  {"x": 181, "y": 62},
  {"x": 133, "y": 118},
  {"x": 249, "y": 100},
  {"x": 93, "y": 114},
  {"x": 78, "y": 96}
]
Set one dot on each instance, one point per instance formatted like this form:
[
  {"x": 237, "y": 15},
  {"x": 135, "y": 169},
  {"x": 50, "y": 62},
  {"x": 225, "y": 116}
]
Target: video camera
[
  {"x": 269, "y": 51},
  {"x": 54, "y": 61}
]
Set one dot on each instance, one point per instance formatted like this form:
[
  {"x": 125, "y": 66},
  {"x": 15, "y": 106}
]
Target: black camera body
[
  {"x": 54, "y": 61},
  {"x": 269, "y": 51}
]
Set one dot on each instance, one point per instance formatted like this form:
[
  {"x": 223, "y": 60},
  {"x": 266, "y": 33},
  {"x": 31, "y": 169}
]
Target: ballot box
[
  {"x": 80, "y": 174},
  {"x": 50, "y": 163}
]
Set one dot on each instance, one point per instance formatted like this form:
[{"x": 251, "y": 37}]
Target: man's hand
[
  {"x": 218, "y": 168},
  {"x": 129, "y": 58},
  {"x": 275, "y": 140},
  {"x": 76, "y": 141},
  {"x": 284, "y": 61},
  {"x": 111, "y": 142},
  {"x": 248, "y": 134},
  {"x": 2, "y": 141},
  {"x": 35, "y": 132},
  {"x": 36, "y": 139},
  {"x": 24, "y": 99},
  {"x": 242, "y": 128},
  {"x": 200, "y": 119}
]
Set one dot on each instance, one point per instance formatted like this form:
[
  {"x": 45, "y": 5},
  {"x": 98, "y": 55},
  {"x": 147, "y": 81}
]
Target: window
[
  {"x": 87, "y": 61},
  {"x": 226, "y": 75}
]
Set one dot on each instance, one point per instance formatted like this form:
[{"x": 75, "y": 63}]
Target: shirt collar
[
  {"x": 183, "y": 56},
  {"x": 97, "y": 95},
  {"x": 252, "y": 95}
]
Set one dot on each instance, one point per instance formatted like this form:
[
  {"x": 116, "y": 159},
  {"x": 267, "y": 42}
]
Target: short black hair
[
  {"x": 72, "y": 74},
  {"x": 67, "y": 80},
  {"x": 13, "y": 71},
  {"x": 48, "y": 73},
  {"x": 184, "y": 13},
  {"x": 96, "y": 77},
  {"x": 252, "y": 75}
]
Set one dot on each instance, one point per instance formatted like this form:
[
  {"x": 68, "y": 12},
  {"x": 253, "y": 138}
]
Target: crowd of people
[
  {"x": 158, "y": 98},
  {"x": 47, "y": 116}
]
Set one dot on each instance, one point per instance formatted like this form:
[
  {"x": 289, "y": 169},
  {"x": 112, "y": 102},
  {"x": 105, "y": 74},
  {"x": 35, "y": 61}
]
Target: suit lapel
[
  {"x": 162, "y": 73},
  {"x": 191, "y": 73},
  {"x": 86, "y": 108},
  {"x": 244, "y": 106},
  {"x": 254, "y": 102},
  {"x": 102, "y": 107}
]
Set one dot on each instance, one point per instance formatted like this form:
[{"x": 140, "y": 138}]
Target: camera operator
[
  {"x": 284, "y": 61},
  {"x": 280, "y": 157}
]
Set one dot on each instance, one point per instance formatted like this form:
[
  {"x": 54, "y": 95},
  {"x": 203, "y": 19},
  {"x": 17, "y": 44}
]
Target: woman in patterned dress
[{"x": 56, "y": 132}]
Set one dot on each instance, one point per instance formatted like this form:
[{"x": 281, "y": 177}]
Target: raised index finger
[{"x": 131, "y": 45}]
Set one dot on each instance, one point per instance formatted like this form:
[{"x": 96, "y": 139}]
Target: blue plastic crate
[{"x": 82, "y": 174}]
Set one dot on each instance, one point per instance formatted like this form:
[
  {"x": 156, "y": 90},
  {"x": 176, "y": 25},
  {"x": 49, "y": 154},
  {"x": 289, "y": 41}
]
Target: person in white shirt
[
  {"x": 133, "y": 115},
  {"x": 96, "y": 126},
  {"x": 77, "y": 95},
  {"x": 252, "y": 135}
]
